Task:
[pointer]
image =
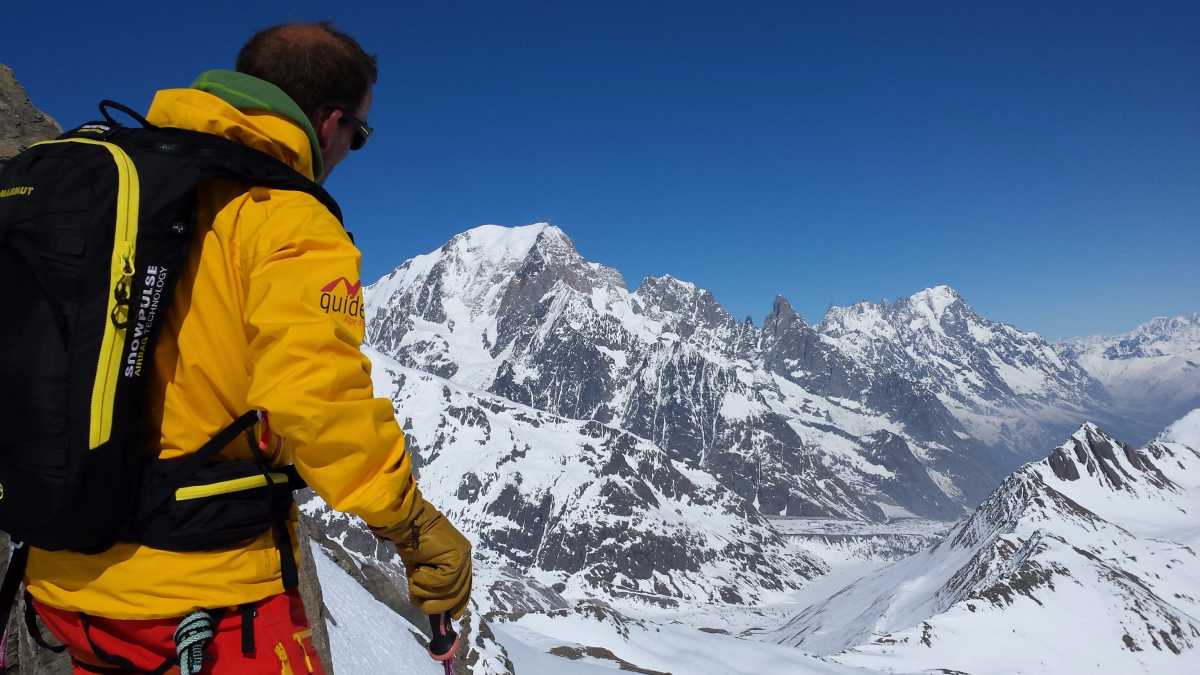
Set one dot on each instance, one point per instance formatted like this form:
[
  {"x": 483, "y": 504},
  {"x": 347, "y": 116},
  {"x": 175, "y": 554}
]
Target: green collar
[{"x": 246, "y": 92}]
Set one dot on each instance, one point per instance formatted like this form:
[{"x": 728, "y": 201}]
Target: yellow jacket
[{"x": 268, "y": 315}]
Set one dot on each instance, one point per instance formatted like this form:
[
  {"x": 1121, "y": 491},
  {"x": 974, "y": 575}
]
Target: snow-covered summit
[{"x": 936, "y": 300}]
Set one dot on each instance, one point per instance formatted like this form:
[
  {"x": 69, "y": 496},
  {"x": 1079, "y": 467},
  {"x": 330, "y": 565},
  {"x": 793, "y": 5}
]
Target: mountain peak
[
  {"x": 668, "y": 281},
  {"x": 937, "y": 298},
  {"x": 505, "y": 242},
  {"x": 782, "y": 308},
  {"x": 1093, "y": 452},
  {"x": 667, "y": 297}
]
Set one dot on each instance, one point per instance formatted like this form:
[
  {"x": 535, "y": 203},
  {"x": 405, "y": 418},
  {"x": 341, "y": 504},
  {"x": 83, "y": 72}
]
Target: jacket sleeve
[{"x": 305, "y": 323}]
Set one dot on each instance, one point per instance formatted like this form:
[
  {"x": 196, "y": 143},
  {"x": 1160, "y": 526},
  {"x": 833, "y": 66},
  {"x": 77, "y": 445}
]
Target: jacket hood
[{"x": 245, "y": 110}]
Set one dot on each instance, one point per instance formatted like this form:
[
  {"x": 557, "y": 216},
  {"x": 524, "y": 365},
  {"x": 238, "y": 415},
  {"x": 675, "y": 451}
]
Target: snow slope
[
  {"x": 365, "y": 636},
  {"x": 1095, "y": 530},
  {"x": 1185, "y": 430},
  {"x": 602, "y": 636}
]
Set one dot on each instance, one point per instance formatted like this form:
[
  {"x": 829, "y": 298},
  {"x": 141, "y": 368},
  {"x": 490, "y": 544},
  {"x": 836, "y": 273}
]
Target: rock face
[
  {"x": 1096, "y": 529},
  {"x": 21, "y": 123},
  {"x": 914, "y": 408},
  {"x": 580, "y": 507}
]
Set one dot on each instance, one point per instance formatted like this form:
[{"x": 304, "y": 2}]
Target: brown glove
[{"x": 437, "y": 558}]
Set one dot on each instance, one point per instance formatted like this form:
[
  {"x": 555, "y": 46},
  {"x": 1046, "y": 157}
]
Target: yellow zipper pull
[
  {"x": 284, "y": 667},
  {"x": 127, "y": 268},
  {"x": 299, "y": 638}
]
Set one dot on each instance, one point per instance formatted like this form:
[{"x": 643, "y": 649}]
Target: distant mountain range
[{"x": 1152, "y": 372}]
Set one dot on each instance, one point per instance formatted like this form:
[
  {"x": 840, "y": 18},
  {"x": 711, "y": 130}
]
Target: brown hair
[{"x": 315, "y": 64}]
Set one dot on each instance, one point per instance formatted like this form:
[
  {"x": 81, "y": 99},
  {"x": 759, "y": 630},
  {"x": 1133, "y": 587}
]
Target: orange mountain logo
[
  {"x": 351, "y": 288},
  {"x": 347, "y": 302}
]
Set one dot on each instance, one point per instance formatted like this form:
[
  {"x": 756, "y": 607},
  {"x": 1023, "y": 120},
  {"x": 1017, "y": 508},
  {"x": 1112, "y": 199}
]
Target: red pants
[{"x": 282, "y": 640}]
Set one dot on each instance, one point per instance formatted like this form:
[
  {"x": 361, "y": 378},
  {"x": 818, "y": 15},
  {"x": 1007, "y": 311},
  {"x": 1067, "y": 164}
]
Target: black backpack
[{"x": 95, "y": 228}]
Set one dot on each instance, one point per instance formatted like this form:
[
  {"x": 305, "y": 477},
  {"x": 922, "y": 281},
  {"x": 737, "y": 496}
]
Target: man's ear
[{"x": 327, "y": 124}]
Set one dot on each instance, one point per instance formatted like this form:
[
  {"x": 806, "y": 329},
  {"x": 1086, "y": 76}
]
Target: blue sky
[{"x": 1043, "y": 158}]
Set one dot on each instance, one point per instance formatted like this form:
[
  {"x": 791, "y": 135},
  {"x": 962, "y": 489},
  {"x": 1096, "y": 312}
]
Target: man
[{"x": 267, "y": 317}]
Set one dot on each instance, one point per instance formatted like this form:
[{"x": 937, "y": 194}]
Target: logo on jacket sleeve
[{"x": 340, "y": 296}]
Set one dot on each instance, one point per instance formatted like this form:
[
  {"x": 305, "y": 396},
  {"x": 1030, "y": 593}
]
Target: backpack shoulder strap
[{"x": 210, "y": 156}]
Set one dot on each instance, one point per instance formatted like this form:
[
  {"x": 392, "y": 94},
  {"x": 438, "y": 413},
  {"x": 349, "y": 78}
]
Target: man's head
[{"x": 326, "y": 73}]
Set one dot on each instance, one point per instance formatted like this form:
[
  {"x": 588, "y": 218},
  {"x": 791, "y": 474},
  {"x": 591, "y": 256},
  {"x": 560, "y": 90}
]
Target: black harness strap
[
  {"x": 249, "y": 612},
  {"x": 184, "y": 467},
  {"x": 102, "y": 670},
  {"x": 279, "y": 515},
  {"x": 117, "y": 661}
]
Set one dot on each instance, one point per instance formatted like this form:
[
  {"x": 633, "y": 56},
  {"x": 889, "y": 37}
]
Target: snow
[
  {"x": 1186, "y": 431},
  {"x": 529, "y": 652},
  {"x": 365, "y": 636},
  {"x": 944, "y": 483},
  {"x": 1024, "y": 381},
  {"x": 935, "y": 300},
  {"x": 661, "y": 647},
  {"x": 736, "y": 406},
  {"x": 894, "y": 511}
]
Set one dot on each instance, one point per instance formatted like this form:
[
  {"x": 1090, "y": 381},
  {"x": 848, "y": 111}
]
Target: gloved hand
[{"x": 437, "y": 558}]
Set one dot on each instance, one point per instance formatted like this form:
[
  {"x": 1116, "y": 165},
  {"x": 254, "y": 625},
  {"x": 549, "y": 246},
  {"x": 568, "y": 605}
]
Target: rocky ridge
[{"x": 22, "y": 123}]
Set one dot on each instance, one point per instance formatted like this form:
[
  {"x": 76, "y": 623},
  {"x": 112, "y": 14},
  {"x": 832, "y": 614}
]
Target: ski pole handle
[{"x": 444, "y": 641}]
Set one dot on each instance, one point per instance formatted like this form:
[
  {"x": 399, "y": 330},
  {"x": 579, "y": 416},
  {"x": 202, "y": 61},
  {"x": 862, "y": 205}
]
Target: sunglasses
[{"x": 362, "y": 130}]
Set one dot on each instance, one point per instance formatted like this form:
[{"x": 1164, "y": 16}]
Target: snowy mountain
[
  {"x": 1084, "y": 561},
  {"x": 582, "y": 508},
  {"x": 916, "y": 408},
  {"x": 1152, "y": 371},
  {"x": 1009, "y": 388}
]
